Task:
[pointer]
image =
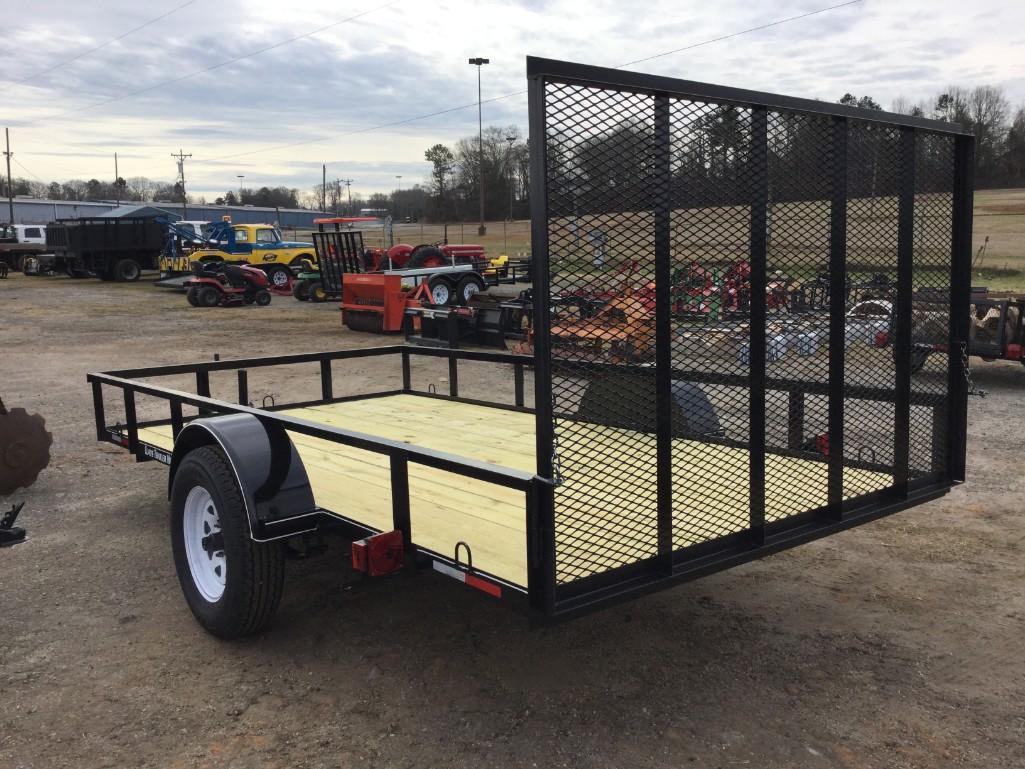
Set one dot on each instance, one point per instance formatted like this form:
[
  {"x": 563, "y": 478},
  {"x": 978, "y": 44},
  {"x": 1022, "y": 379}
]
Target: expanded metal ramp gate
[
  {"x": 730, "y": 288},
  {"x": 338, "y": 252}
]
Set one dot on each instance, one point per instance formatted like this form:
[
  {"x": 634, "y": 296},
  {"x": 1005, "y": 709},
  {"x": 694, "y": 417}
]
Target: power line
[
  {"x": 96, "y": 48},
  {"x": 417, "y": 118},
  {"x": 759, "y": 28},
  {"x": 224, "y": 63},
  {"x": 23, "y": 168}
]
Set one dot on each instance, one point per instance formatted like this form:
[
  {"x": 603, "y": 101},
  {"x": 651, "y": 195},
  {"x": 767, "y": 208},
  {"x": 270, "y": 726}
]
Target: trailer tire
[
  {"x": 278, "y": 275},
  {"x": 468, "y": 287},
  {"x": 127, "y": 271},
  {"x": 243, "y": 596},
  {"x": 208, "y": 296},
  {"x": 442, "y": 290}
]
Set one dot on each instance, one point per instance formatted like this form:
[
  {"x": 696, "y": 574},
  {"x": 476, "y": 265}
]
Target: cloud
[{"x": 410, "y": 59}]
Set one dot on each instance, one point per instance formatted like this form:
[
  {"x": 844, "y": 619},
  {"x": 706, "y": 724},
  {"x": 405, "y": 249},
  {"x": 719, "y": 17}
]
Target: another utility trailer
[
  {"x": 108, "y": 247},
  {"x": 734, "y": 440}
]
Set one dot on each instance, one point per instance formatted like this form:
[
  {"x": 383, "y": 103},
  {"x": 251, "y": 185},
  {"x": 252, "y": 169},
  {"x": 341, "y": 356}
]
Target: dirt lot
[{"x": 898, "y": 644}]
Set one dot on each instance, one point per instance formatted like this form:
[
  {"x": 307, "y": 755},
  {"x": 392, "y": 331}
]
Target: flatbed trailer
[{"x": 597, "y": 479}]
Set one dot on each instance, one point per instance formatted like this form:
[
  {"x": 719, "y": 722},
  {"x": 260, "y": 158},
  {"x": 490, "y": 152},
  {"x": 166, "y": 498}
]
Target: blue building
[{"x": 37, "y": 211}]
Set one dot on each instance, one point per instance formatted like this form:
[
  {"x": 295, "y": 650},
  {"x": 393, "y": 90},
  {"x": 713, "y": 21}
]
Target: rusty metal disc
[{"x": 24, "y": 449}]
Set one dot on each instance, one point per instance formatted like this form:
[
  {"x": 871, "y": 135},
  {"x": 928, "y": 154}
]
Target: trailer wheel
[
  {"x": 208, "y": 296},
  {"x": 278, "y": 275},
  {"x": 262, "y": 298},
  {"x": 192, "y": 296},
  {"x": 231, "y": 583},
  {"x": 441, "y": 290},
  {"x": 468, "y": 288},
  {"x": 127, "y": 271}
]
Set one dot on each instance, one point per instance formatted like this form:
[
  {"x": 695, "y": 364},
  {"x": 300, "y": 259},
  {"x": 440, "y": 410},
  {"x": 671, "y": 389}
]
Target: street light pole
[
  {"x": 478, "y": 62},
  {"x": 241, "y": 177}
]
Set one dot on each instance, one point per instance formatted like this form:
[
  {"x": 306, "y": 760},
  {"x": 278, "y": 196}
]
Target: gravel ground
[{"x": 897, "y": 644}]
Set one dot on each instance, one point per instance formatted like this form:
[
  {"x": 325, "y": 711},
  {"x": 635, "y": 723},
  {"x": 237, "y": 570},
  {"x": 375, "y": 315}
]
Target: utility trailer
[
  {"x": 109, "y": 248},
  {"x": 597, "y": 480}
]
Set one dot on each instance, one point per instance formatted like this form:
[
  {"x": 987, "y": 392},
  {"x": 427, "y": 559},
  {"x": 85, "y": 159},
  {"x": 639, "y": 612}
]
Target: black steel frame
[{"x": 761, "y": 538}]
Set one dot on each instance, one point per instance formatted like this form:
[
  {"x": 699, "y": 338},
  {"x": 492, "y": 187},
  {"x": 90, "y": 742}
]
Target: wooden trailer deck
[{"x": 446, "y": 508}]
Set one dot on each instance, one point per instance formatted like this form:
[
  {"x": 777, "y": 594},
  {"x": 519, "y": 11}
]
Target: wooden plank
[{"x": 618, "y": 519}]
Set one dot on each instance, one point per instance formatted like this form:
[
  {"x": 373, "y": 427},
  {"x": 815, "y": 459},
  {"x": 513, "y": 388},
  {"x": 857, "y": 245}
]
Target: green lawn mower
[{"x": 308, "y": 285}]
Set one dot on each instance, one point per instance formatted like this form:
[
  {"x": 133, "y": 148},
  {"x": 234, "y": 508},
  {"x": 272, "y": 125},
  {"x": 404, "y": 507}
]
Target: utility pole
[
  {"x": 348, "y": 188},
  {"x": 180, "y": 157},
  {"x": 479, "y": 62},
  {"x": 10, "y": 187},
  {"x": 323, "y": 188},
  {"x": 117, "y": 187},
  {"x": 512, "y": 181},
  {"x": 336, "y": 185}
]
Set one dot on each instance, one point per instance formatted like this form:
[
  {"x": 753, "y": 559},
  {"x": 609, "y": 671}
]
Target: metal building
[{"x": 39, "y": 211}]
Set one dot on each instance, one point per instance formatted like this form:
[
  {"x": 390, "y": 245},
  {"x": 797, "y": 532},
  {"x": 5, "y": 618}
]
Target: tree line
[
  {"x": 613, "y": 167},
  {"x": 140, "y": 189}
]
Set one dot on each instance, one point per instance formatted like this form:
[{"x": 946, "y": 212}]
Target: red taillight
[
  {"x": 822, "y": 444},
  {"x": 1014, "y": 351},
  {"x": 378, "y": 555},
  {"x": 882, "y": 338}
]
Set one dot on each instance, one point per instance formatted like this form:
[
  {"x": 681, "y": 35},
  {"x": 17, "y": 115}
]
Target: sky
[{"x": 277, "y": 116}]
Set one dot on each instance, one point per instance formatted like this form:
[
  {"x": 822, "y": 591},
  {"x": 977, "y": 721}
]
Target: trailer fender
[
  {"x": 627, "y": 400},
  {"x": 269, "y": 471}
]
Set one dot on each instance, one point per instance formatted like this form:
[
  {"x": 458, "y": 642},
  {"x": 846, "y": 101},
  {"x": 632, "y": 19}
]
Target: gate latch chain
[{"x": 967, "y": 369}]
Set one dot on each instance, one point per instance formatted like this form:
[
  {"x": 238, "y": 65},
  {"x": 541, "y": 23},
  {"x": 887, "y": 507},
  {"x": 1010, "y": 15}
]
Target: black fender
[
  {"x": 627, "y": 400},
  {"x": 275, "y": 487}
]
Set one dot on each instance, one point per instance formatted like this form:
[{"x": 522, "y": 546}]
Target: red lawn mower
[{"x": 218, "y": 283}]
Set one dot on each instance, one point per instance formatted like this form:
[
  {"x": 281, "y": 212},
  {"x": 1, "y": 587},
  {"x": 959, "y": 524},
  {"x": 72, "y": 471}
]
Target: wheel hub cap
[{"x": 204, "y": 544}]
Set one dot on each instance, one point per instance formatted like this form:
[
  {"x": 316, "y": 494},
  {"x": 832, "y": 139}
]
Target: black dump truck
[{"x": 109, "y": 248}]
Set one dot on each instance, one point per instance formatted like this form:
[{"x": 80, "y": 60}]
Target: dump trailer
[
  {"x": 588, "y": 481},
  {"x": 108, "y": 248}
]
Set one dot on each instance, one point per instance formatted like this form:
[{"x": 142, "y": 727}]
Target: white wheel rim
[
  {"x": 471, "y": 290},
  {"x": 440, "y": 294},
  {"x": 207, "y": 565},
  {"x": 279, "y": 278}
]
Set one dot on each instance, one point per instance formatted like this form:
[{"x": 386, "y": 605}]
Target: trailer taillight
[
  {"x": 822, "y": 444},
  {"x": 1014, "y": 352},
  {"x": 882, "y": 338},
  {"x": 378, "y": 555}
]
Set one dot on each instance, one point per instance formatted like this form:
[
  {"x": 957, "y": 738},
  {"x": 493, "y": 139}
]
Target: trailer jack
[{"x": 10, "y": 534}]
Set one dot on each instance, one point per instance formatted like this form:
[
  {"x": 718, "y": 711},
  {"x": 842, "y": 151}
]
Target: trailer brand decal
[
  {"x": 488, "y": 587},
  {"x": 157, "y": 454}
]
